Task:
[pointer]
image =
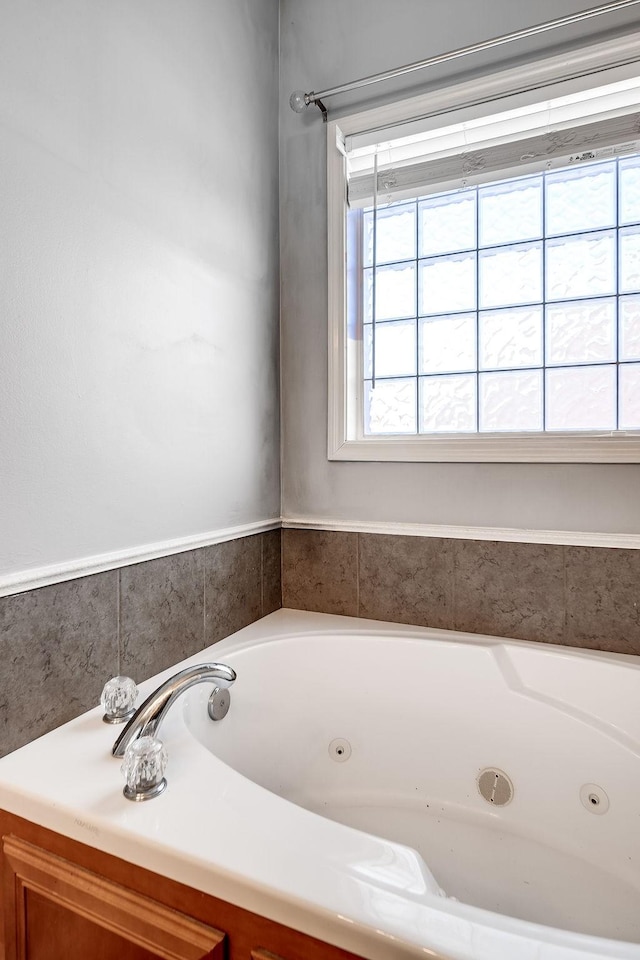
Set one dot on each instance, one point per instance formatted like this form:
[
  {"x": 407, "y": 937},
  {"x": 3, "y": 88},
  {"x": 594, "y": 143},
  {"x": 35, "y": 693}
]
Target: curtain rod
[{"x": 299, "y": 101}]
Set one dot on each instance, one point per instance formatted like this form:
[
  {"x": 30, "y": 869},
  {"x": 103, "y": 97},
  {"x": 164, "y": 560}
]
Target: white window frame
[{"x": 607, "y": 62}]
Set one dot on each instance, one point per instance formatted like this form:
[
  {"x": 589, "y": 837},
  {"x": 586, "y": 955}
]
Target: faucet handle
[
  {"x": 145, "y": 761},
  {"x": 118, "y": 699}
]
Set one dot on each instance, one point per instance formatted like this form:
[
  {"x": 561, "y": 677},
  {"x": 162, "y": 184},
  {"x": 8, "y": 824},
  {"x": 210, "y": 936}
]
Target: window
[
  {"x": 489, "y": 308},
  {"x": 513, "y": 306}
]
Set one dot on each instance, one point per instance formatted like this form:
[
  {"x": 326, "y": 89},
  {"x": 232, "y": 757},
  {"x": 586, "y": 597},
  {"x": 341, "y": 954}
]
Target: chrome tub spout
[{"x": 149, "y": 715}]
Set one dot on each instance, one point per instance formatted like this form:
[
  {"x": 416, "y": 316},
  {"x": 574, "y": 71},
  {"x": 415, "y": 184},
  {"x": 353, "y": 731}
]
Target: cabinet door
[{"x": 56, "y": 910}]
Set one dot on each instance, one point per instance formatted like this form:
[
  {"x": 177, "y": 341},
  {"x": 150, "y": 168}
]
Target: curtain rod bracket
[{"x": 322, "y": 109}]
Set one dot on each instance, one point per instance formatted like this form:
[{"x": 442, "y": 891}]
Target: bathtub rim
[{"x": 131, "y": 835}]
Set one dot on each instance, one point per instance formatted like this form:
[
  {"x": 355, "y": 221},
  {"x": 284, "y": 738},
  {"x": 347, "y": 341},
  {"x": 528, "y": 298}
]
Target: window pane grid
[
  {"x": 507, "y": 286},
  {"x": 616, "y": 325},
  {"x": 543, "y": 222},
  {"x": 477, "y": 350},
  {"x": 417, "y": 295}
]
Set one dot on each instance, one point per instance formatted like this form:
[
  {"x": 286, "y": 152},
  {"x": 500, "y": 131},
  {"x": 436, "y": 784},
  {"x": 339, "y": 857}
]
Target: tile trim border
[
  {"x": 71, "y": 570},
  {"x": 570, "y": 538}
]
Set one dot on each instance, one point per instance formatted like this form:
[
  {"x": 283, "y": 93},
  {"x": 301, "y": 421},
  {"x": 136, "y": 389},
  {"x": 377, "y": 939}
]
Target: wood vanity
[{"x": 63, "y": 900}]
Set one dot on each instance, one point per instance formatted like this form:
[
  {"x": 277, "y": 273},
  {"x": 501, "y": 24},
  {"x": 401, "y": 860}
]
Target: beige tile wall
[{"x": 581, "y": 596}]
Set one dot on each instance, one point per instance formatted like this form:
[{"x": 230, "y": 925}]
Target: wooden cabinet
[
  {"x": 56, "y": 910},
  {"x": 65, "y": 901}
]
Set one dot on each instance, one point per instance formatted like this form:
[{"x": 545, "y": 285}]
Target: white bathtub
[{"x": 338, "y": 724}]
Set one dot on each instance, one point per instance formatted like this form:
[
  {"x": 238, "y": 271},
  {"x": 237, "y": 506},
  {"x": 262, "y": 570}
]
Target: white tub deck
[{"x": 422, "y": 714}]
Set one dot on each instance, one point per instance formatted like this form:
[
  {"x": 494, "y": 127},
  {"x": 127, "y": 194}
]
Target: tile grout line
[
  {"x": 357, "y": 574},
  {"x": 565, "y": 618},
  {"x": 281, "y": 568},
  {"x": 118, "y": 627},
  {"x": 454, "y": 591},
  {"x": 204, "y": 597},
  {"x": 262, "y": 574}
]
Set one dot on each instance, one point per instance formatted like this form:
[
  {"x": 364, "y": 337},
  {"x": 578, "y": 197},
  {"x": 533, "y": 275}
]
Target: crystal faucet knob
[
  {"x": 145, "y": 761},
  {"x": 118, "y": 699}
]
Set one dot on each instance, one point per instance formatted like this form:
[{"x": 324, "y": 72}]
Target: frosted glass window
[
  {"x": 447, "y": 223},
  {"x": 448, "y": 344},
  {"x": 630, "y": 396},
  {"x": 511, "y": 401},
  {"x": 510, "y": 338},
  {"x": 448, "y": 404},
  {"x": 630, "y": 328},
  {"x": 581, "y": 198},
  {"x": 448, "y": 284},
  {"x": 511, "y": 306},
  {"x": 510, "y": 275},
  {"x": 629, "y": 259},
  {"x": 629, "y": 190},
  {"x": 510, "y": 211},
  {"x": 395, "y": 292},
  {"x": 395, "y": 350},
  {"x": 581, "y": 266},
  {"x": 581, "y": 398},
  {"x": 395, "y": 234},
  {"x": 390, "y": 407},
  {"x": 583, "y": 331}
]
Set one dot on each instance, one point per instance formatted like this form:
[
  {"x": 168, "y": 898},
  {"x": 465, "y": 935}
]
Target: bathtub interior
[{"x": 389, "y": 734}]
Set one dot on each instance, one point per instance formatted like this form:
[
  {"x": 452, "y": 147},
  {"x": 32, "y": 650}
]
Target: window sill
[{"x": 511, "y": 448}]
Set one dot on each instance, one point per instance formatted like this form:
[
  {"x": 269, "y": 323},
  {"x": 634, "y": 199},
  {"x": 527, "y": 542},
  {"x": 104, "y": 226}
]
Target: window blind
[{"x": 554, "y": 133}]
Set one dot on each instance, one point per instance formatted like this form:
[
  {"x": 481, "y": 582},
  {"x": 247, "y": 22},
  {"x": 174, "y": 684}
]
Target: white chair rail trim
[
  {"x": 575, "y": 538},
  {"x": 71, "y": 570}
]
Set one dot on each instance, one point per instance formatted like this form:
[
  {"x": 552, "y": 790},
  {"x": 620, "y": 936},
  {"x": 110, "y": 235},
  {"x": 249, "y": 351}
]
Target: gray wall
[
  {"x": 139, "y": 282},
  {"x": 323, "y": 45}
]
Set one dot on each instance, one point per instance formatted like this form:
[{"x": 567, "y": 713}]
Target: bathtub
[{"x": 396, "y": 791}]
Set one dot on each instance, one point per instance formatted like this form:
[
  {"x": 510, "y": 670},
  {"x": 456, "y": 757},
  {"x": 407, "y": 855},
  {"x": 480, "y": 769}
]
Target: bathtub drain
[{"x": 495, "y": 786}]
